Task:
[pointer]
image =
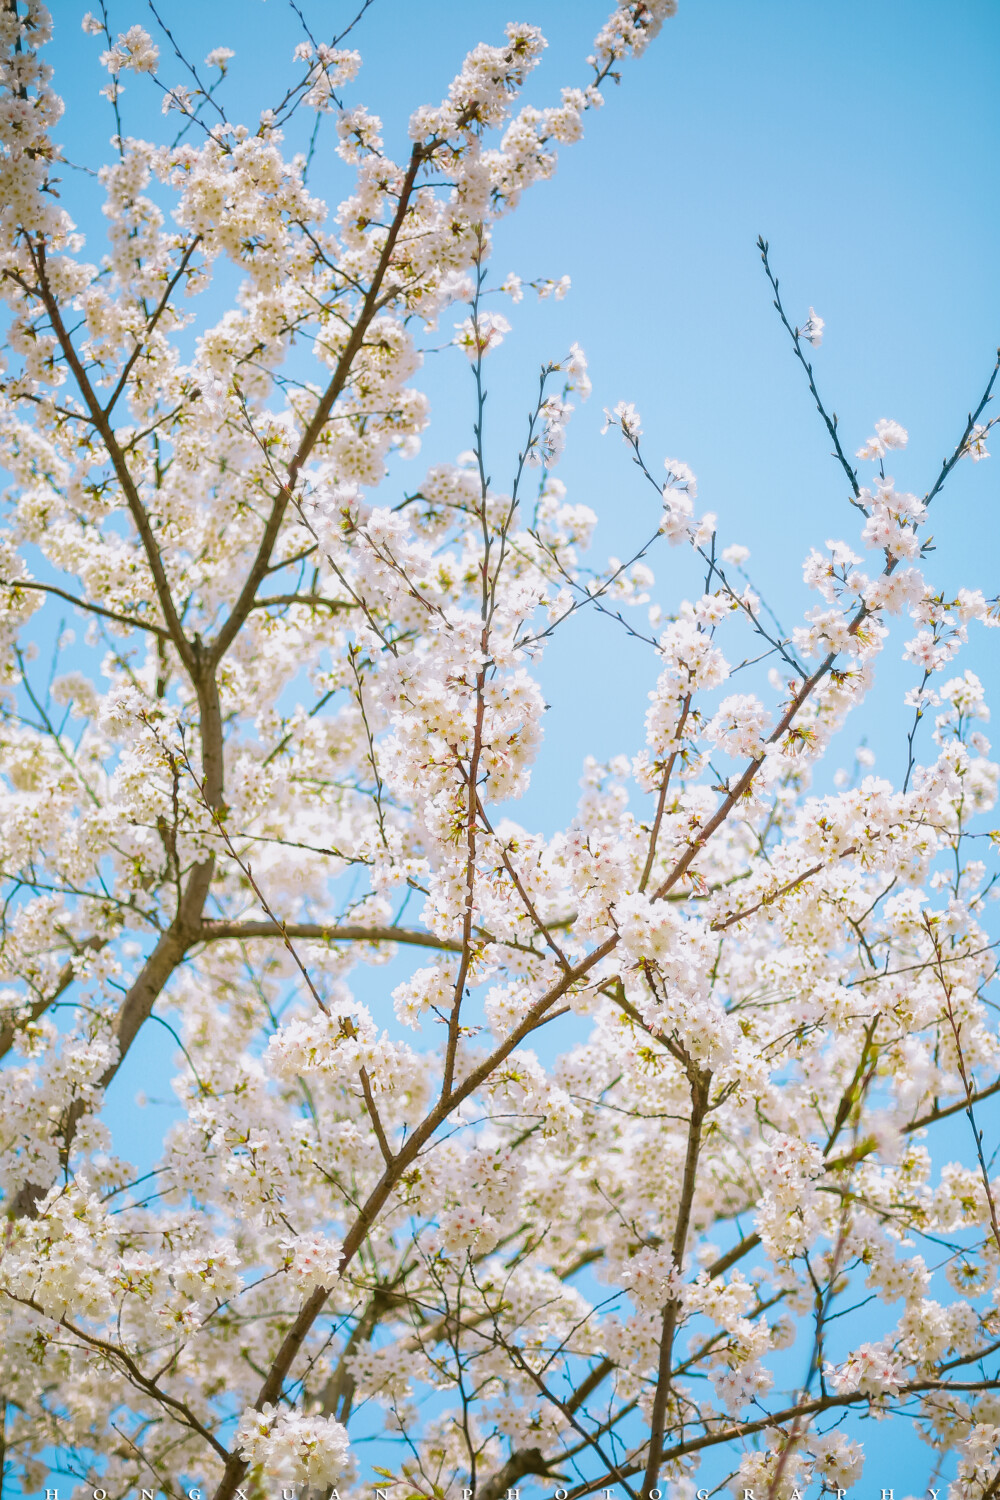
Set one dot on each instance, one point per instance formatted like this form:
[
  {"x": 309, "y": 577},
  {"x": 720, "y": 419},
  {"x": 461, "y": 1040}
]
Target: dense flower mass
[{"x": 262, "y": 817}]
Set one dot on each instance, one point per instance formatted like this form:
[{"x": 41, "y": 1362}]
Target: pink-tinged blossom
[{"x": 872, "y": 1369}]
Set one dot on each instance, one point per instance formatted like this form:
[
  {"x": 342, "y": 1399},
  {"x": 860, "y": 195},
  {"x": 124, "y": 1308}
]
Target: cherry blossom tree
[{"x": 606, "y": 1254}]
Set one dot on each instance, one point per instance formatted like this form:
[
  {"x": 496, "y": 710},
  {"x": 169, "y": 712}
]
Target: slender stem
[
  {"x": 101, "y": 421},
  {"x": 94, "y": 609},
  {"x": 829, "y": 421}
]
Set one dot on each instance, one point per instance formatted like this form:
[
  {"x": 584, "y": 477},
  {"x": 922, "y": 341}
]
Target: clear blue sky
[{"x": 859, "y": 138}]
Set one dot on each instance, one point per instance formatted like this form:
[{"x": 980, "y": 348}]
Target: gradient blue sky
[{"x": 859, "y": 138}]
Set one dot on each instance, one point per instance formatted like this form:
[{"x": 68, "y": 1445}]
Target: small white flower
[
  {"x": 975, "y": 447},
  {"x": 478, "y": 336},
  {"x": 812, "y": 329},
  {"x": 625, "y": 416}
]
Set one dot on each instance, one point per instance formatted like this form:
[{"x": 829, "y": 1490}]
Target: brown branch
[
  {"x": 523, "y": 1462},
  {"x": 408, "y": 1152},
  {"x": 102, "y": 423},
  {"x": 661, "y": 800},
  {"x": 9, "y": 1030},
  {"x": 375, "y": 1117},
  {"x": 94, "y": 609},
  {"x": 116, "y": 1352},
  {"x": 213, "y": 931},
  {"x": 739, "y": 916},
  {"x": 312, "y": 601},
  {"x": 451, "y": 1046},
  {"x": 272, "y": 1385},
  {"x": 136, "y": 1008},
  {"x": 151, "y": 323},
  {"x": 737, "y": 1430},
  {"x": 935, "y": 1115},
  {"x": 700, "y": 1083},
  {"x": 228, "y": 632},
  {"x": 338, "y": 1392},
  {"x": 544, "y": 931},
  {"x": 720, "y": 1266}
]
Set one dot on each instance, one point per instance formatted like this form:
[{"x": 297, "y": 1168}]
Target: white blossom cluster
[{"x": 548, "y": 1150}]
